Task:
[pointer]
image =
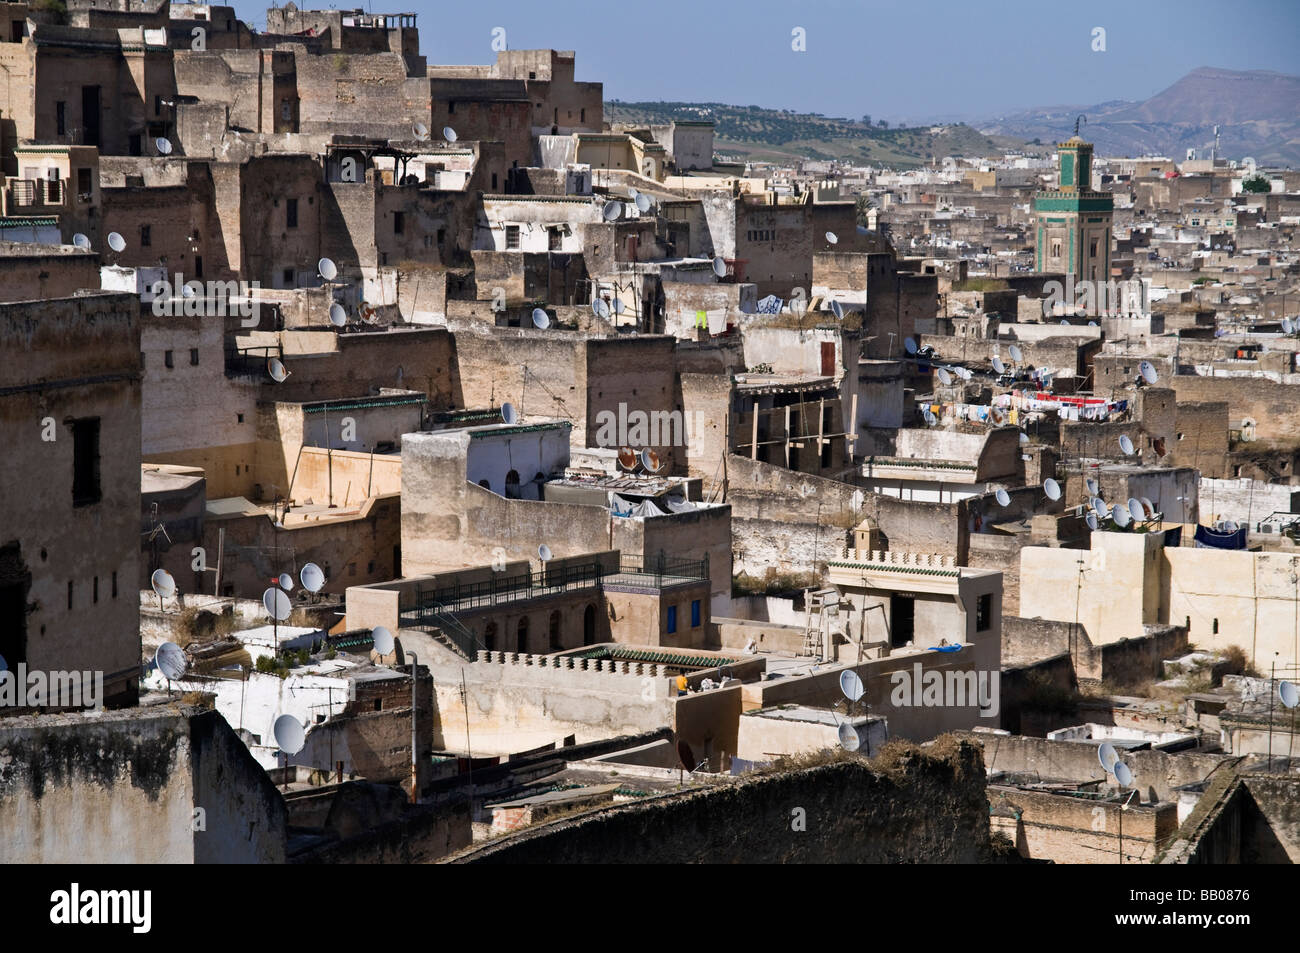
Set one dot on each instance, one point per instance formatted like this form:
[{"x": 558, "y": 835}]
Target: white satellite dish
[
  {"x": 420, "y": 130},
  {"x": 286, "y": 582},
  {"x": 1288, "y": 694},
  {"x": 1065, "y": 321},
  {"x": 1092, "y": 324},
  {"x": 383, "y": 640},
  {"x": 612, "y": 211},
  {"x": 1099, "y": 507},
  {"x": 509, "y": 414},
  {"x": 328, "y": 270},
  {"x": 541, "y": 319},
  {"x": 909, "y": 345},
  {"x": 80, "y": 240},
  {"x": 544, "y": 553},
  {"x": 1120, "y": 515},
  {"x": 1003, "y": 497},
  {"x": 720, "y": 267},
  {"x": 163, "y": 584},
  {"x": 632, "y": 193},
  {"x": 338, "y": 316},
  {"x": 1125, "y": 444},
  {"x": 449, "y": 133},
  {"x": 1052, "y": 489},
  {"x": 275, "y": 367},
  {"x": 1024, "y": 438},
  {"x": 643, "y": 202},
  {"x": 312, "y": 577},
  {"x": 617, "y": 306},
  {"x": 838, "y": 310},
  {"x": 1107, "y": 755},
  {"x": 1148, "y": 372},
  {"x": 1091, "y": 484},
  {"x": 1123, "y": 774},
  {"x": 1148, "y": 507},
  {"x": 276, "y": 603},
  {"x": 189, "y": 291},
  {"x": 1016, "y": 354},
  {"x": 170, "y": 660},
  {"x": 849, "y": 739},
  {"x": 601, "y": 308},
  {"x": 163, "y": 146},
  {"x": 1091, "y": 519},
  {"x": 832, "y": 238},
  {"x": 650, "y": 460},
  {"x": 289, "y": 734},
  {"x": 1287, "y": 326},
  {"x": 1135, "y": 510},
  {"x": 116, "y": 241},
  {"x": 851, "y": 685},
  {"x": 944, "y": 377},
  {"x": 998, "y": 366}
]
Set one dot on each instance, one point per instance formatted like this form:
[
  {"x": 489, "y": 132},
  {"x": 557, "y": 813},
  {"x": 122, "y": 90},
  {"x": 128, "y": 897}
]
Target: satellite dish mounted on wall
[
  {"x": 1125, "y": 444},
  {"x": 509, "y": 414},
  {"x": 643, "y": 202},
  {"x": 81, "y": 241},
  {"x": 1003, "y": 497},
  {"x": 832, "y": 238},
  {"x": 612, "y": 211},
  {"x": 163, "y": 146},
  {"x": 275, "y": 367},
  {"x": 544, "y": 553},
  {"x": 327, "y": 269},
  {"x": 383, "y": 640},
  {"x": 720, "y": 267},
  {"x": 1052, "y": 489},
  {"x": 541, "y": 320}
]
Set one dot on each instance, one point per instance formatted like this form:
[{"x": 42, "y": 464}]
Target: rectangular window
[
  {"x": 695, "y": 613},
  {"x": 451, "y": 108},
  {"x": 399, "y": 223},
  {"x": 291, "y": 213},
  {"x": 194, "y": 357},
  {"x": 288, "y": 278},
  {"x": 95, "y": 590},
  {"x": 157, "y": 105},
  {"x": 555, "y": 241},
  {"x": 146, "y": 236},
  {"x": 114, "y": 585},
  {"x": 61, "y": 118},
  {"x": 984, "y": 613},
  {"x": 512, "y": 238},
  {"x": 672, "y": 619},
  {"x": 85, "y": 462},
  {"x": 84, "y": 186},
  {"x": 167, "y": 359},
  {"x": 69, "y": 593}
]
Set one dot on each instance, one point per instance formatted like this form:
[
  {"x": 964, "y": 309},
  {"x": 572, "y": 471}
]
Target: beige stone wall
[{"x": 1070, "y": 830}]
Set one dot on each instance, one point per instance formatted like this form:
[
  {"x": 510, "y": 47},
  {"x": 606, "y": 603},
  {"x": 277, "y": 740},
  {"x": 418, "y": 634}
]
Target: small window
[
  {"x": 442, "y": 236},
  {"x": 85, "y": 462},
  {"x": 695, "y": 613},
  {"x": 555, "y": 240},
  {"x": 157, "y": 105},
  {"x": 512, "y": 237},
  {"x": 146, "y": 236},
  {"x": 984, "y": 613},
  {"x": 399, "y": 223},
  {"x": 84, "y": 183},
  {"x": 142, "y": 360},
  {"x": 239, "y": 418},
  {"x": 61, "y": 118},
  {"x": 582, "y": 115},
  {"x": 451, "y": 108},
  {"x": 94, "y": 589},
  {"x": 194, "y": 357},
  {"x": 114, "y": 585},
  {"x": 379, "y": 704},
  {"x": 167, "y": 359},
  {"x": 69, "y": 593},
  {"x": 672, "y": 619},
  {"x": 291, "y": 213},
  {"x": 288, "y": 278}
]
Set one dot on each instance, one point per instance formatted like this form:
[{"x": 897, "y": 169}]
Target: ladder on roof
[{"x": 819, "y": 606}]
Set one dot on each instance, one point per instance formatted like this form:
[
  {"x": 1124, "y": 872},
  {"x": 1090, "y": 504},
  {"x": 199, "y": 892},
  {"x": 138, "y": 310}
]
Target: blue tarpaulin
[{"x": 1207, "y": 538}]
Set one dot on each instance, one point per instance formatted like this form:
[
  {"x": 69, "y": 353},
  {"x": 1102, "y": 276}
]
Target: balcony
[{"x": 32, "y": 196}]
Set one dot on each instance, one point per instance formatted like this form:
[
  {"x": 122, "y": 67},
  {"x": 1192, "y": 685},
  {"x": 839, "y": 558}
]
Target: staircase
[{"x": 450, "y": 632}]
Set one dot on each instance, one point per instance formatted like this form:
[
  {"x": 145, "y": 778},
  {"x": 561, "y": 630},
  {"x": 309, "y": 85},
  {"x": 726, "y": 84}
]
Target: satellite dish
[
  {"x": 544, "y": 553},
  {"x": 80, "y": 240},
  {"x": 289, "y": 734},
  {"x": 164, "y": 146},
  {"x": 1125, "y": 444},
  {"x": 909, "y": 345},
  {"x": 838, "y": 310},
  {"x": 116, "y": 241},
  {"x": 1016, "y": 354},
  {"x": 1052, "y": 489},
  {"x": 312, "y": 578},
  {"x": 998, "y": 366},
  {"x": 617, "y": 306},
  {"x": 188, "y": 291},
  {"x": 1287, "y": 326},
  {"x": 1288, "y": 694},
  {"x": 328, "y": 270},
  {"x": 832, "y": 238},
  {"x": 999, "y": 416},
  {"x": 643, "y": 202},
  {"x": 632, "y": 193},
  {"x": 849, "y": 739},
  {"x": 509, "y": 414},
  {"x": 720, "y": 267},
  {"x": 286, "y": 582},
  {"x": 1091, "y": 519},
  {"x": 170, "y": 660},
  {"x": 1024, "y": 438},
  {"x": 612, "y": 211},
  {"x": 1093, "y": 488},
  {"x": 1135, "y": 510},
  {"x": 1120, "y": 515},
  {"x": 338, "y": 316},
  {"x": 1003, "y": 497},
  {"x": 601, "y": 307},
  {"x": 163, "y": 584},
  {"x": 1148, "y": 507},
  {"x": 1065, "y": 321},
  {"x": 650, "y": 460},
  {"x": 627, "y": 458},
  {"x": 275, "y": 367},
  {"x": 449, "y": 133},
  {"x": 541, "y": 319},
  {"x": 1148, "y": 372},
  {"x": 1107, "y": 755},
  {"x": 383, "y": 640},
  {"x": 276, "y": 603},
  {"x": 944, "y": 377},
  {"x": 420, "y": 130},
  {"x": 851, "y": 685},
  {"x": 1123, "y": 774},
  {"x": 1099, "y": 507}
]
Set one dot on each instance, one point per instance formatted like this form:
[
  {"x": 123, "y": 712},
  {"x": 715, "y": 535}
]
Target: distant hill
[
  {"x": 1258, "y": 114},
  {"x": 778, "y": 135}
]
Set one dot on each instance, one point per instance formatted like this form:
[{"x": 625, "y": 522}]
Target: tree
[
  {"x": 883, "y": 124},
  {"x": 866, "y": 120},
  {"x": 1256, "y": 183}
]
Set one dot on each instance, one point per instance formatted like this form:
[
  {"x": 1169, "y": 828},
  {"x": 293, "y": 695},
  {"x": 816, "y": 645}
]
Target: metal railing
[
  {"x": 662, "y": 565},
  {"x": 249, "y": 361}
]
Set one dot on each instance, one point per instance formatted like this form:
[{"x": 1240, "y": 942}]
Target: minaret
[{"x": 1072, "y": 222}]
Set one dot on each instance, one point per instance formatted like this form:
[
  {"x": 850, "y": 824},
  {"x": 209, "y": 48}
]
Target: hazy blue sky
[{"x": 916, "y": 59}]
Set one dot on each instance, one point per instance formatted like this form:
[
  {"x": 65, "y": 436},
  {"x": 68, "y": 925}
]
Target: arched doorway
[
  {"x": 589, "y": 626},
  {"x": 512, "y": 485}
]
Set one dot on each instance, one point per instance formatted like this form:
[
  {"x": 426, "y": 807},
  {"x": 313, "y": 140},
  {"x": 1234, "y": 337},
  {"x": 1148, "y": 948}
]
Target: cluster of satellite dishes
[
  {"x": 1111, "y": 764},
  {"x": 1097, "y": 511},
  {"x": 275, "y": 599},
  {"x": 853, "y": 689},
  {"x": 630, "y": 460}
]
